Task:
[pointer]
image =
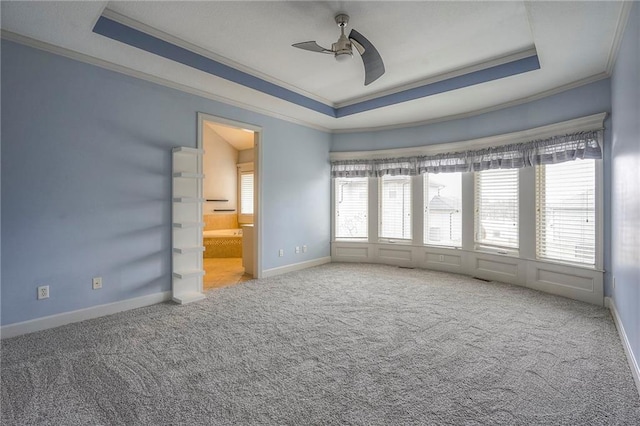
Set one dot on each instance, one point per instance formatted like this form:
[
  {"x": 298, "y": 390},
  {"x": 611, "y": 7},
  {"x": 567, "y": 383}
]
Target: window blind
[
  {"x": 395, "y": 207},
  {"x": 351, "y": 207},
  {"x": 443, "y": 209},
  {"x": 246, "y": 193},
  {"x": 496, "y": 204},
  {"x": 565, "y": 199}
]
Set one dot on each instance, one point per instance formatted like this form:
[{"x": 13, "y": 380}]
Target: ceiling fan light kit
[{"x": 342, "y": 50}]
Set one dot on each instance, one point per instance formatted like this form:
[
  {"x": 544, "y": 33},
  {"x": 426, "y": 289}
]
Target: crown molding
[
  {"x": 527, "y": 99},
  {"x": 81, "y": 57},
  {"x": 92, "y": 60},
  {"x": 590, "y": 122},
  {"x": 501, "y": 60},
  {"x": 621, "y": 25},
  {"x": 129, "y": 22}
]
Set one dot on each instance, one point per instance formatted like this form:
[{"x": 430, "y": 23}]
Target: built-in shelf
[
  {"x": 188, "y": 273},
  {"x": 188, "y": 175},
  {"x": 183, "y": 298},
  {"x": 186, "y": 213},
  {"x": 187, "y": 200},
  {"x": 185, "y": 250},
  {"x": 188, "y": 224},
  {"x": 187, "y": 150}
]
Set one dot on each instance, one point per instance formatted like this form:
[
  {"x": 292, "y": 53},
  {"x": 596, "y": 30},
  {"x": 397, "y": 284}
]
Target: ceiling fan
[{"x": 341, "y": 49}]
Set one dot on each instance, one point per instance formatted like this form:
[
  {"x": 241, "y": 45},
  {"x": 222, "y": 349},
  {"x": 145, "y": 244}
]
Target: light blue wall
[
  {"x": 585, "y": 100},
  {"x": 579, "y": 102},
  {"x": 625, "y": 239},
  {"x": 86, "y": 183}
]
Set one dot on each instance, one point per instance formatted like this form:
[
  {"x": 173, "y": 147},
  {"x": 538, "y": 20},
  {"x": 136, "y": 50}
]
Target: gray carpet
[{"x": 337, "y": 344}]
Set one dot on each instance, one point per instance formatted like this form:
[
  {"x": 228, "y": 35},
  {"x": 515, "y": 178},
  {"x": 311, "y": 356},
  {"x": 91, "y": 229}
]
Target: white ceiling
[
  {"x": 240, "y": 139},
  {"x": 420, "y": 41}
]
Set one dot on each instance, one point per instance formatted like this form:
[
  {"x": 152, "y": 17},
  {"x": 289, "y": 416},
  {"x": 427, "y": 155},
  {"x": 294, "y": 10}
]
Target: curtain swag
[{"x": 557, "y": 149}]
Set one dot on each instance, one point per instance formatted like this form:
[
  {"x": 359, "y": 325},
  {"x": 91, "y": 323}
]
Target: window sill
[
  {"x": 496, "y": 251},
  {"x": 397, "y": 242},
  {"x": 569, "y": 264},
  {"x": 351, "y": 240}
]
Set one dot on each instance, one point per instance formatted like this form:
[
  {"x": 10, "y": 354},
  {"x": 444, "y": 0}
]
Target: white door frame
[{"x": 257, "y": 188}]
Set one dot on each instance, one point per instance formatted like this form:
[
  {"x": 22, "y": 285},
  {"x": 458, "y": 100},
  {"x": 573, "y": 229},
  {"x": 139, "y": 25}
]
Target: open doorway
[{"x": 230, "y": 208}]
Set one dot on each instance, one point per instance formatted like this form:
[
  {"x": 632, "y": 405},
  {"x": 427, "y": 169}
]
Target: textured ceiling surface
[
  {"x": 238, "y": 138},
  {"x": 419, "y": 41}
]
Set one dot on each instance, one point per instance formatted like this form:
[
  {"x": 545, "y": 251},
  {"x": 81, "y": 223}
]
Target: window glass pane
[
  {"x": 395, "y": 207},
  {"x": 497, "y": 208},
  {"x": 246, "y": 193},
  {"x": 566, "y": 211},
  {"x": 443, "y": 209},
  {"x": 351, "y": 204}
]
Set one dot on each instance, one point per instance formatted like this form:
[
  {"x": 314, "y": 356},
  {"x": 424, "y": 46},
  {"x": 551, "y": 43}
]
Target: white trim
[
  {"x": 92, "y": 60},
  {"x": 631, "y": 358},
  {"x": 125, "y": 20},
  {"x": 509, "y": 104},
  {"x": 591, "y": 122},
  {"x": 295, "y": 267},
  {"x": 500, "y": 60},
  {"x": 623, "y": 18},
  {"x": 64, "y": 318},
  {"x": 82, "y": 57},
  {"x": 257, "y": 182},
  {"x": 574, "y": 282}
]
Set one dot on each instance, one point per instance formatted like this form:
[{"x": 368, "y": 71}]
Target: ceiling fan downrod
[{"x": 342, "y": 47}]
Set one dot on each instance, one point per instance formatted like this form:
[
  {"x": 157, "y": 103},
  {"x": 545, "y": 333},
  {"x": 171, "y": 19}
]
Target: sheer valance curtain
[{"x": 553, "y": 150}]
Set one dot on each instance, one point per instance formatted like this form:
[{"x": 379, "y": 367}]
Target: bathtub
[
  {"x": 222, "y": 233},
  {"x": 222, "y": 243}
]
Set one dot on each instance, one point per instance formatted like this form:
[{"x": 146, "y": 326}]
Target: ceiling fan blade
[
  {"x": 311, "y": 46},
  {"x": 373, "y": 65}
]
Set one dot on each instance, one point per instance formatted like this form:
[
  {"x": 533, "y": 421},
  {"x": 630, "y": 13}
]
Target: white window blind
[
  {"x": 565, "y": 198},
  {"x": 496, "y": 204},
  {"x": 351, "y": 204},
  {"x": 443, "y": 209},
  {"x": 246, "y": 193},
  {"x": 395, "y": 207}
]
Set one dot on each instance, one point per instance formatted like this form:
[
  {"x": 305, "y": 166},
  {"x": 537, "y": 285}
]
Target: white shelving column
[{"x": 186, "y": 217}]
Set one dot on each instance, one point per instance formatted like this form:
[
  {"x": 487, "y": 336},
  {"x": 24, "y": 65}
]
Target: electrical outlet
[
  {"x": 304, "y": 248},
  {"x": 441, "y": 258},
  {"x": 43, "y": 292},
  {"x": 281, "y": 252},
  {"x": 96, "y": 283},
  {"x": 297, "y": 249}
]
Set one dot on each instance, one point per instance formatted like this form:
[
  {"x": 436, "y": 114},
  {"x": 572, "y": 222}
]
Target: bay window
[
  {"x": 565, "y": 207},
  {"x": 351, "y": 205},
  {"x": 443, "y": 209},
  {"x": 395, "y": 207}
]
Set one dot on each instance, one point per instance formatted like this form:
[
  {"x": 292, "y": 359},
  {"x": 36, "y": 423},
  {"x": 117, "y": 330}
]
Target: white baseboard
[
  {"x": 64, "y": 318},
  {"x": 633, "y": 361},
  {"x": 295, "y": 267}
]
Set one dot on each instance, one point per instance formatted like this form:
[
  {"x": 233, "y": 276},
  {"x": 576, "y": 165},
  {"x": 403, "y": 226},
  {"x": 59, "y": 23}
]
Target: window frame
[
  {"x": 598, "y": 212},
  {"x": 245, "y": 168},
  {"x": 382, "y": 239},
  {"x": 480, "y": 246},
  {"x": 425, "y": 190},
  {"x": 334, "y": 228}
]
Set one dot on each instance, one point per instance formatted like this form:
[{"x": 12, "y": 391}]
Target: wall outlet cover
[
  {"x": 96, "y": 283},
  {"x": 43, "y": 292}
]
